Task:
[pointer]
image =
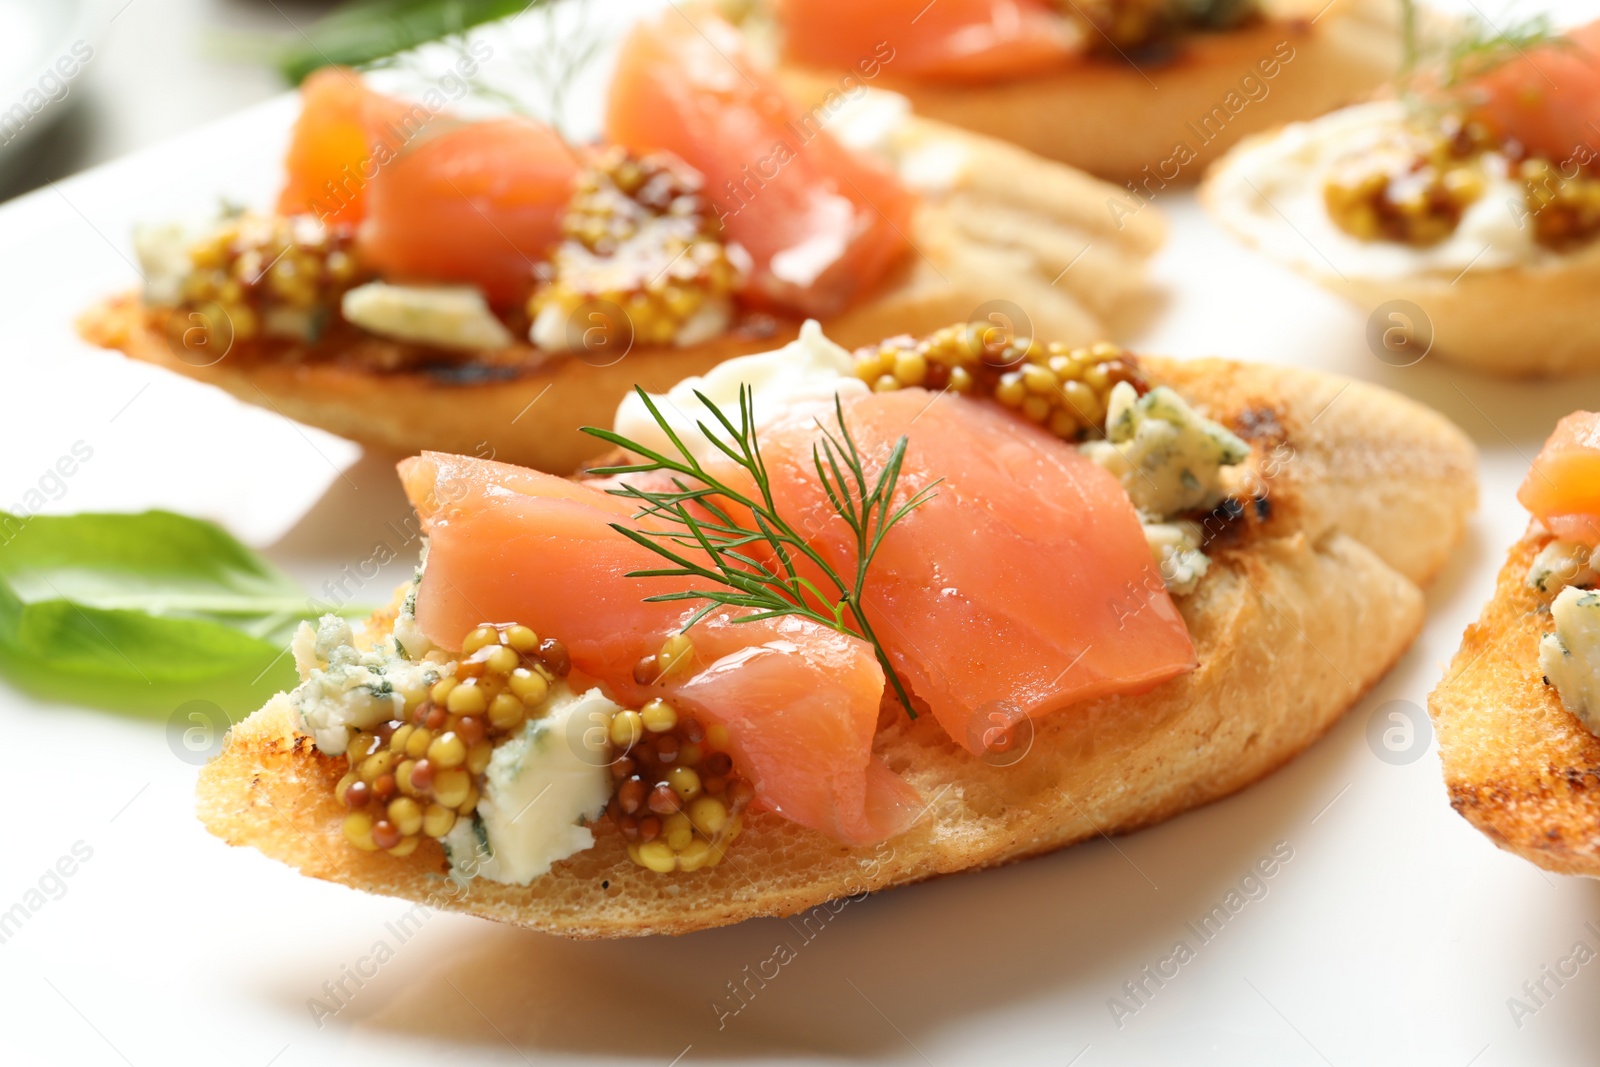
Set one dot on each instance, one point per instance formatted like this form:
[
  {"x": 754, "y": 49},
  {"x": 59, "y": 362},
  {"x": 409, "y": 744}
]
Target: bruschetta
[
  {"x": 427, "y": 282},
  {"x": 1474, "y": 198},
  {"x": 1518, "y": 713},
  {"x": 830, "y": 622},
  {"x": 1142, "y": 92}
]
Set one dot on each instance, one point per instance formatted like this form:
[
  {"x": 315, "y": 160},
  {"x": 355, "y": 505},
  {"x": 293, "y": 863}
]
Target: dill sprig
[
  {"x": 539, "y": 63},
  {"x": 700, "y": 513},
  {"x": 1476, "y": 47},
  {"x": 1481, "y": 47}
]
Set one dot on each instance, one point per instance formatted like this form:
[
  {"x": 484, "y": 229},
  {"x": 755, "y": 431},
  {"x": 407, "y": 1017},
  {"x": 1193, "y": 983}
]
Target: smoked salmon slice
[
  {"x": 800, "y": 701},
  {"x": 1025, "y": 584},
  {"x": 821, "y": 224},
  {"x": 477, "y": 202},
  {"x": 948, "y": 40},
  {"x": 334, "y": 149},
  {"x": 1547, "y": 99},
  {"x": 438, "y": 199},
  {"x": 1562, "y": 488}
]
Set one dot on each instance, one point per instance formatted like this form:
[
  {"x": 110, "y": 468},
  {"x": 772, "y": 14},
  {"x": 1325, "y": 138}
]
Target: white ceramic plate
[{"x": 1393, "y": 933}]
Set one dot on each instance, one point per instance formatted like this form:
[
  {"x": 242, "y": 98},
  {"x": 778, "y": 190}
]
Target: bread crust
[
  {"x": 1517, "y": 764},
  {"x": 1291, "y": 625},
  {"x": 1012, "y": 227},
  {"x": 1514, "y": 322},
  {"x": 1111, "y": 120}
]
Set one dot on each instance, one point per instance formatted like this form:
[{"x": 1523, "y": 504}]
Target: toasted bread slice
[
  {"x": 1514, "y": 321},
  {"x": 1163, "y": 124},
  {"x": 1008, "y": 225},
  {"x": 1518, "y": 765},
  {"x": 1297, "y": 618}
]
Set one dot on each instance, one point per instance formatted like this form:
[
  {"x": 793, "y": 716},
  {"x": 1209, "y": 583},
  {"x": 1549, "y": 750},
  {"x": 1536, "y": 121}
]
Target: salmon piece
[
  {"x": 800, "y": 701},
  {"x": 477, "y": 202},
  {"x": 439, "y": 199},
  {"x": 1548, "y": 99},
  {"x": 1562, "y": 488},
  {"x": 1024, "y": 585},
  {"x": 801, "y": 705},
  {"x": 949, "y": 40},
  {"x": 333, "y": 145},
  {"x": 822, "y": 225}
]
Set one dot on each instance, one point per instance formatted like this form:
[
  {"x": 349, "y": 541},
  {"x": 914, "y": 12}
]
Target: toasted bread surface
[
  {"x": 1291, "y": 625},
  {"x": 1126, "y": 123},
  {"x": 1011, "y": 227},
  {"x": 1517, "y": 764}
]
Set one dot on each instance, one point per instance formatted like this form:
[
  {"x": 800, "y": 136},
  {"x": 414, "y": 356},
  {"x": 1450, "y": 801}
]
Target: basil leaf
[{"x": 143, "y": 612}]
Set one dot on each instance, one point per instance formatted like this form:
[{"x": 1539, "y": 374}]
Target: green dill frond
[{"x": 704, "y": 527}]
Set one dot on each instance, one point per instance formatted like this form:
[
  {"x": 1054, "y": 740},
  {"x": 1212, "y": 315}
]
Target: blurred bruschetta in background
[
  {"x": 430, "y": 282},
  {"x": 1472, "y": 197},
  {"x": 1142, "y": 92}
]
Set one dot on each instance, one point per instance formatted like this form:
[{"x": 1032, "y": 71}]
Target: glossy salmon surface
[
  {"x": 800, "y": 701},
  {"x": 331, "y": 149},
  {"x": 1022, "y": 586},
  {"x": 479, "y": 203},
  {"x": 821, "y": 223},
  {"x": 949, "y": 40},
  {"x": 1547, "y": 98},
  {"x": 1562, "y": 488},
  {"x": 437, "y": 198}
]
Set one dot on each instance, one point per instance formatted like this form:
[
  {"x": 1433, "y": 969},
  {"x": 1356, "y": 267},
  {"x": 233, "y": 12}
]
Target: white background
[{"x": 1395, "y": 934}]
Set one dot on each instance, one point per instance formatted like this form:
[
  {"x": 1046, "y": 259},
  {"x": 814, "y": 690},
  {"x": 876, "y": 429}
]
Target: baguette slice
[
  {"x": 1126, "y": 124},
  {"x": 1297, "y": 618},
  {"x": 1008, "y": 225},
  {"x": 1532, "y": 320},
  {"x": 1518, "y": 765}
]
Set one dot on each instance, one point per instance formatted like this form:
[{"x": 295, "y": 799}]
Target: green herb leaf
[
  {"x": 1468, "y": 49},
  {"x": 366, "y": 30},
  {"x": 1481, "y": 46},
  {"x": 864, "y": 505},
  {"x": 142, "y": 612}
]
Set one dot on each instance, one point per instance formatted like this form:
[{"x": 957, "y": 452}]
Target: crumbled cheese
[
  {"x": 445, "y": 316},
  {"x": 163, "y": 251},
  {"x": 539, "y": 790},
  {"x": 1560, "y": 564},
  {"x": 343, "y": 687},
  {"x": 810, "y": 370},
  {"x": 1175, "y": 546},
  {"x": 1168, "y": 457},
  {"x": 1570, "y": 657}
]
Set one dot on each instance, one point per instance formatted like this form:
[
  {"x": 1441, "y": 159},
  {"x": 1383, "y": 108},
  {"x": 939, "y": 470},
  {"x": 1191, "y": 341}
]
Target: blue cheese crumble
[
  {"x": 445, "y": 316},
  {"x": 343, "y": 687},
  {"x": 1170, "y": 459},
  {"x": 1560, "y": 564},
  {"x": 1175, "y": 546},
  {"x": 1570, "y": 657},
  {"x": 1168, "y": 456},
  {"x": 540, "y": 790}
]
